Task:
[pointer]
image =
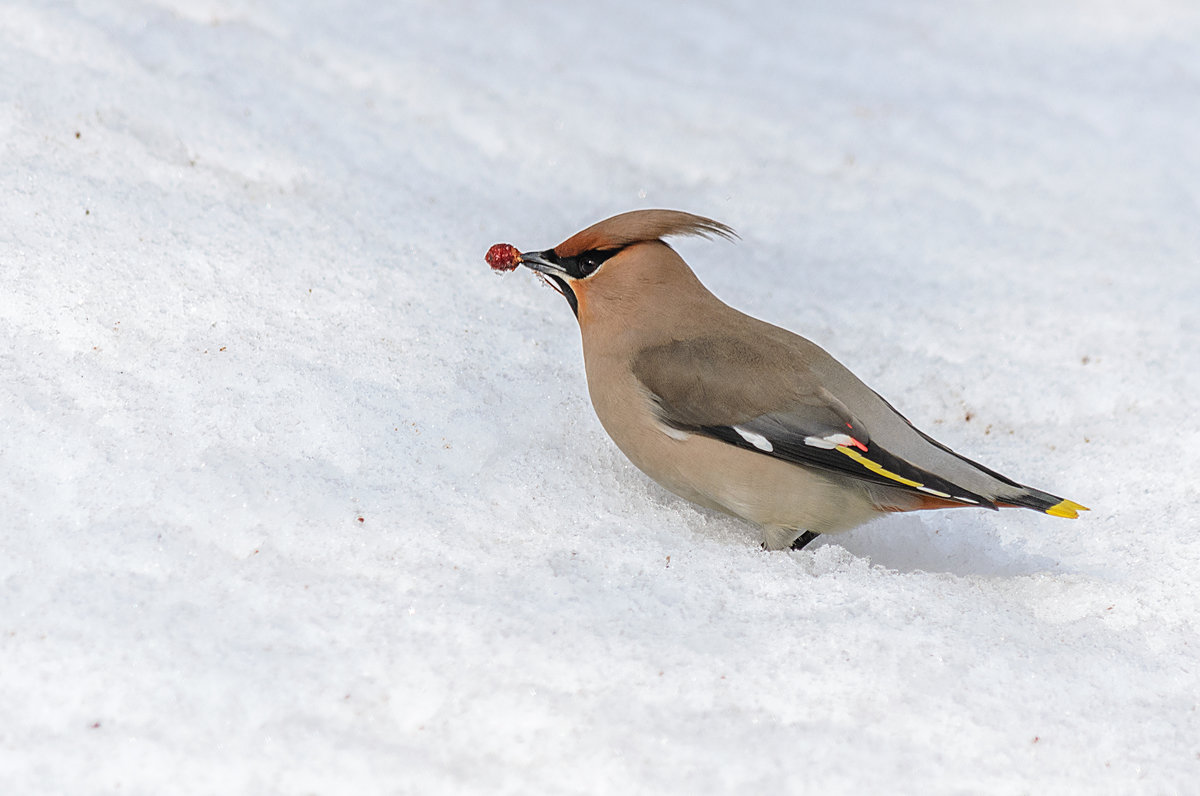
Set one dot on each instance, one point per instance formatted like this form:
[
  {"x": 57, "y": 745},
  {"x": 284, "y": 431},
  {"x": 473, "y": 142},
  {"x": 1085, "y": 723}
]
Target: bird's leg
[{"x": 804, "y": 539}]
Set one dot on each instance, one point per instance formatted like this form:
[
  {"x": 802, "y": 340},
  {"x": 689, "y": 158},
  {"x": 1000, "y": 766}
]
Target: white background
[{"x": 296, "y": 496}]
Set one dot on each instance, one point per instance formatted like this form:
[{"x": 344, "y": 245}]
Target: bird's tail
[{"x": 1044, "y": 502}]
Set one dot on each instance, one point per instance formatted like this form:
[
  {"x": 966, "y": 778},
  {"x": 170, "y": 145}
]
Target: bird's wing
[{"x": 763, "y": 398}]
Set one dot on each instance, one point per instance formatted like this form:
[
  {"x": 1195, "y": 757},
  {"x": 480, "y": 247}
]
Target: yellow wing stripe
[
  {"x": 878, "y": 468},
  {"x": 1067, "y": 508}
]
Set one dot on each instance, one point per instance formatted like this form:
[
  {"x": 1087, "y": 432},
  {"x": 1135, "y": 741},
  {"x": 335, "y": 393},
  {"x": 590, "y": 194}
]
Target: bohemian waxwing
[{"x": 738, "y": 415}]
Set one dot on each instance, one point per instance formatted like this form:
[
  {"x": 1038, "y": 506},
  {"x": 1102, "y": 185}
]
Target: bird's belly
[
  {"x": 746, "y": 484},
  {"x": 757, "y": 487}
]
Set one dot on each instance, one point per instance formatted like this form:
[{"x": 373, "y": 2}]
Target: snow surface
[{"x": 300, "y": 498}]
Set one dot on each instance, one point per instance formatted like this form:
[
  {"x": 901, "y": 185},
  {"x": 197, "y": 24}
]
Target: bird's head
[{"x": 617, "y": 257}]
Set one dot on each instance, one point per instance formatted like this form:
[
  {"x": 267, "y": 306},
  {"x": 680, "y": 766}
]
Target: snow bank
[{"x": 298, "y": 497}]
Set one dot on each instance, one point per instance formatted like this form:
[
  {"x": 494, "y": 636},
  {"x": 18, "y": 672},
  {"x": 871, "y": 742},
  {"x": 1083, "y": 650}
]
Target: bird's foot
[{"x": 804, "y": 539}]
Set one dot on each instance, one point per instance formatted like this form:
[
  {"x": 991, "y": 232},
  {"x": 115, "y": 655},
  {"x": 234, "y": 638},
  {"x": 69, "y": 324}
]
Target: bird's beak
[
  {"x": 551, "y": 270},
  {"x": 544, "y": 262}
]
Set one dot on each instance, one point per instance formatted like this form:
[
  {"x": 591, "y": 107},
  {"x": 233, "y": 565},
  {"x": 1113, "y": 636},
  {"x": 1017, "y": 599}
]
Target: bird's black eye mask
[
  {"x": 579, "y": 267},
  {"x": 583, "y": 265}
]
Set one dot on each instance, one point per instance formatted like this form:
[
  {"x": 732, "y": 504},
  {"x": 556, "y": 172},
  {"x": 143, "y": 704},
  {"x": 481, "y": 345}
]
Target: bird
[{"x": 736, "y": 414}]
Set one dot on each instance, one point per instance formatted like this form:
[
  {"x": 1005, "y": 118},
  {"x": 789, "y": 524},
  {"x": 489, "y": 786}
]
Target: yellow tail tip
[{"x": 1067, "y": 508}]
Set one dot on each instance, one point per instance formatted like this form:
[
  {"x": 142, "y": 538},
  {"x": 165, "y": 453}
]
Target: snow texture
[{"x": 299, "y": 497}]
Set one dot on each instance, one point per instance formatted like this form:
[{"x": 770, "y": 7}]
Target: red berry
[{"x": 503, "y": 257}]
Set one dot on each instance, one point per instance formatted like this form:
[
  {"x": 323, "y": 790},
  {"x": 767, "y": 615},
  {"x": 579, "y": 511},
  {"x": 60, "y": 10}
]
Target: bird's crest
[{"x": 640, "y": 225}]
